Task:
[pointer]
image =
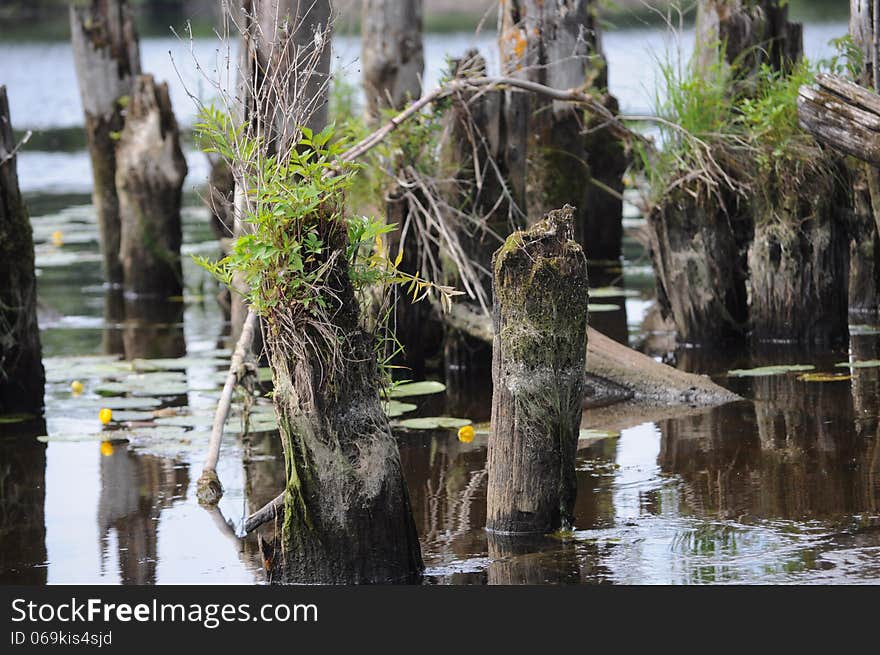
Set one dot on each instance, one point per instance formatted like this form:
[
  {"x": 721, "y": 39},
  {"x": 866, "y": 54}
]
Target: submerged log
[
  {"x": 616, "y": 373},
  {"x": 149, "y": 178},
  {"x": 558, "y": 45},
  {"x": 347, "y": 516},
  {"x": 105, "y": 53},
  {"x": 392, "y": 56},
  {"x": 540, "y": 317},
  {"x": 21, "y": 366}
]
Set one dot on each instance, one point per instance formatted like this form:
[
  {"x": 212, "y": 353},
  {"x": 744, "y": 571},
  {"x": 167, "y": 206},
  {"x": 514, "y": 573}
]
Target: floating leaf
[
  {"x": 864, "y": 329},
  {"x": 596, "y": 435},
  {"x": 867, "y": 363},
  {"x": 824, "y": 377},
  {"x": 188, "y": 420},
  {"x": 769, "y": 370},
  {"x": 394, "y": 408},
  {"x": 130, "y": 403},
  {"x": 112, "y": 436},
  {"x": 417, "y": 389},
  {"x": 596, "y": 308},
  {"x": 177, "y": 364},
  {"x": 15, "y": 418},
  {"x": 613, "y": 292},
  {"x": 434, "y": 423}
]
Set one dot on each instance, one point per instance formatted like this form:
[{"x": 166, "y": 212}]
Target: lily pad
[
  {"x": 769, "y": 370},
  {"x": 424, "y": 388},
  {"x": 824, "y": 377},
  {"x": 188, "y": 421},
  {"x": 434, "y": 423},
  {"x": 864, "y": 329},
  {"x": 144, "y": 402},
  {"x": 596, "y": 308},
  {"x": 613, "y": 292},
  {"x": 113, "y": 436},
  {"x": 596, "y": 435},
  {"x": 177, "y": 364},
  {"x": 394, "y": 408},
  {"x": 867, "y": 363},
  {"x": 6, "y": 419}
]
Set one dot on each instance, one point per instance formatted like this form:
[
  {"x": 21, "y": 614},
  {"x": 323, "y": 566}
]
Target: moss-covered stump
[
  {"x": 539, "y": 353},
  {"x": 346, "y": 515},
  {"x": 799, "y": 262},
  {"x": 698, "y": 249},
  {"x": 149, "y": 178},
  {"x": 21, "y": 366},
  {"x": 106, "y": 56}
]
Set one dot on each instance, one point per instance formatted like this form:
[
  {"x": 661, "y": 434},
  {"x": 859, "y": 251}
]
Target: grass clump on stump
[{"x": 539, "y": 356}]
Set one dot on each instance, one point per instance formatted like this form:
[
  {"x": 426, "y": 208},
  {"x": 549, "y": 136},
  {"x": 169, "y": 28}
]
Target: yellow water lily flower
[
  {"x": 466, "y": 434},
  {"x": 105, "y": 415},
  {"x": 57, "y": 238},
  {"x": 106, "y": 448},
  {"x": 76, "y": 387}
]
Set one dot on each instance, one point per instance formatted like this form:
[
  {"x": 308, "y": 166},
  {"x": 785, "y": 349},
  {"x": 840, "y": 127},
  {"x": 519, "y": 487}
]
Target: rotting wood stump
[
  {"x": 149, "y": 179},
  {"x": 21, "y": 367},
  {"x": 346, "y": 516},
  {"x": 106, "y": 57},
  {"x": 539, "y": 354}
]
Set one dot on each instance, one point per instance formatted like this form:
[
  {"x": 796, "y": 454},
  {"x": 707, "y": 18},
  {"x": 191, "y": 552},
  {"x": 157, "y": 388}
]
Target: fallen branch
[{"x": 209, "y": 488}]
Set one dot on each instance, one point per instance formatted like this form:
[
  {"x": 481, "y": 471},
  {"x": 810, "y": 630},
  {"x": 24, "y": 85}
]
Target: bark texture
[
  {"x": 149, "y": 178},
  {"x": 347, "y": 515},
  {"x": 21, "y": 367},
  {"x": 539, "y": 351},
  {"x": 392, "y": 56},
  {"x": 106, "y": 57},
  {"x": 549, "y": 155},
  {"x": 799, "y": 258}
]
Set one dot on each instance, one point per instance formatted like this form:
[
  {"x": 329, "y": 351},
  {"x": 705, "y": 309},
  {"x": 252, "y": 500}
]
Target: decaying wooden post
[
  {"x": 105, "y": 52},
  {"x": 346, "y": 513},
  {"x": 149, "y": 178},
  {"x": 558, "y": 44},
  {"x": 539, "y": 352},
  {"x": 392, "y": 56},
  {"x": 21, "y": 366}
]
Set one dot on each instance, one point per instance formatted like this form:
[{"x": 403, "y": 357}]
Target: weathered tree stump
[
  {"x": 799, "y": 258},
  {"x": 392, "y": 56},
  {"x": 539, "y": 352},
  {"x": 864, "y": 248},
  {"x": 698, "y": 250},
  {"x": 21, "y": 366},
  {"x": 149, "y": 178},
  {"x": 347, "y": 516},
  {"x": 105, "y": 53},
  {"x": 558, "y": 44}
]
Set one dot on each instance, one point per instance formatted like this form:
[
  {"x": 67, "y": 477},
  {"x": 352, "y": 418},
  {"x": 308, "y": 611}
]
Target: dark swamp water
[{"x": 781, "y": 487}]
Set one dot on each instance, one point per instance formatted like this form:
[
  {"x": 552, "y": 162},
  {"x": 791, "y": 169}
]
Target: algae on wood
[{"x": 539, "y": 351}]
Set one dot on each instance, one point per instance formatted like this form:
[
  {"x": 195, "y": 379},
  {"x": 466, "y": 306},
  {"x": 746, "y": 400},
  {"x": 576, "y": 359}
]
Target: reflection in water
[
  {"x": 22, "y": 500},
  {"x": 134, "y": 491}
]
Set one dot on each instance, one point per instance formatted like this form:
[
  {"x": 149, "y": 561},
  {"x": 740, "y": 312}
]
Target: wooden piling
[
  {"x": 149, "y": 180},
  {"x": 106, "y": 57},
  {"x": 539, "y": 352}
]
